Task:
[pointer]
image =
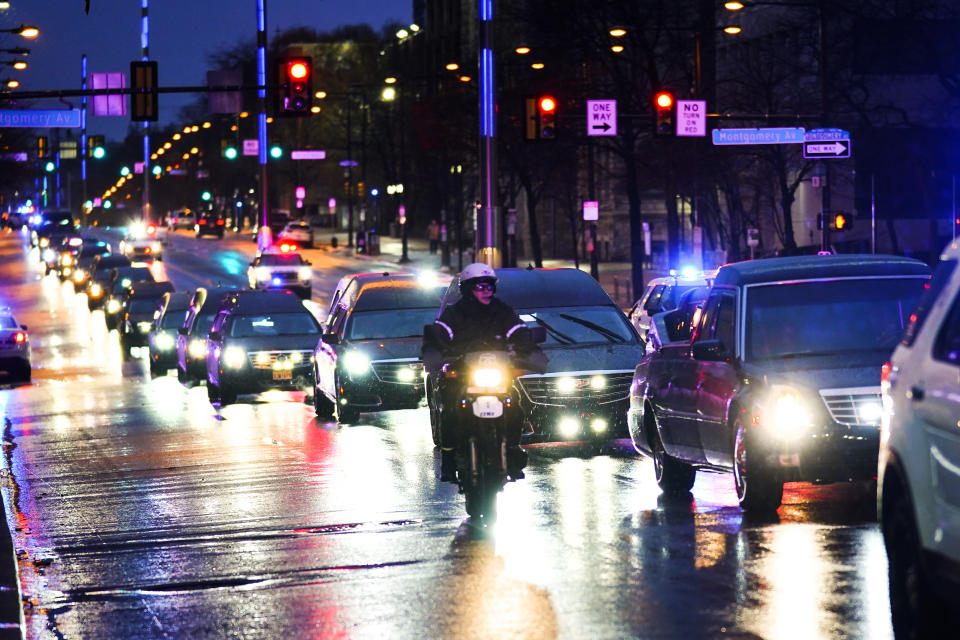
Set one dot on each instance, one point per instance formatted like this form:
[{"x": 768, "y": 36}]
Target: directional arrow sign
[
  {"x": 601, "y": 117},
  {"x": 827, "y": 149}
]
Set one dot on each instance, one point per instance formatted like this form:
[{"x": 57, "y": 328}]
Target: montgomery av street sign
[
  {"x": 771, "y": 135},
  {"x": 40, "y": 118}
]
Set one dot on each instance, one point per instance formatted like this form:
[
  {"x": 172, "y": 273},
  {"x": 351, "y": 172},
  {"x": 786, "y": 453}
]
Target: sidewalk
[{"x": 615, "y": 277}]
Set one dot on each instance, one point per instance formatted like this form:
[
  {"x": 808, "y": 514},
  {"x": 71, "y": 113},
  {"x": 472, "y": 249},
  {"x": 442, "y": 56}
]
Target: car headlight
[
  {"x": 198, "y": 348},
  {"x": 304, "y": 273},
  {"x": 487, "y": 377},
  {"x": 598, "y": 382},
  {"x": 79, "y": 275},
  {"x": 113, "y": 306},
  {"x": 156, "y": 247},
  {"x": 48, "y": 255},
  {"x": 234, "y": 357},
  {"x": 788, "y": 410},
  {"x": 44, "y": 242},
  {"x": 356, "y": 363},
  {"x": 566, "y": 385},
  {"x": 144, "y": 327},
  {"x": 263, "y": 273},
  {"x": 163, "y": 342},
  {"x": 295, "y": 357},
  {"x": 66, "y": 260},
  {"x": 96, "y": 290}
]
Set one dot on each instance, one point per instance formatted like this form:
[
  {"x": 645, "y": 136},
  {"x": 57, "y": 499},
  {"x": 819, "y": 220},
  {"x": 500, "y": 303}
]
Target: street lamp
[
  {"x": 18, "y": 51},
  {"x": 27, "y": 31},
  {"x": 16, "y": 64}
]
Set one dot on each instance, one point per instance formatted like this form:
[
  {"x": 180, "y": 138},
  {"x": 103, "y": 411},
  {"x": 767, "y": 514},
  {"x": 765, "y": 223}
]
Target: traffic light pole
[
  {"x": 264, "y": 234},
  {"x": 488, "y": 242},
  {"x": 145, "y": 56}
]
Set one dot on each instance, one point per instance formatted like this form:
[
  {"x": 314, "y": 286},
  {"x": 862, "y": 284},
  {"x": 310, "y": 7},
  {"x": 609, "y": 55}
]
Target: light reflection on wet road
[{"x": 140, "y": 511}]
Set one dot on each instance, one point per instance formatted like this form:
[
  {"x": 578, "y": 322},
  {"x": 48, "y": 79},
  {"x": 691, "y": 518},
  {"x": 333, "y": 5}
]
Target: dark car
[
  {"x": 98, "y": 283},
  {"x": 74, "y": 265},
  {"x": 169, "y": 315},
  {"x": 139, "y": 308},
  {"x": 192, "y": 334},
  {"x": 121, "y": 280},
  {"x": 281, "y": 268},
  {"x": 592, "y": 349},
  {"x": 369, "y": 358},
  {"x": 260, "y": 341},
  {"x": 210, "y": 224},
  {"x": 58, "y": 241},
  {"x": 677, "y": 324},
  {"x": 781, "y": 379},
  {"x": 48, "y": 222}
]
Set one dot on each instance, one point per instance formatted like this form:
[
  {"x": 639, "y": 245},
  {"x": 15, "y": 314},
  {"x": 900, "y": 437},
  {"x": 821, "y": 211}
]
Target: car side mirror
[
  {"x": 308, "y": 263},
  {"x": 183, "y": 331},
  {"x": 215, "y": 335},
  {"x": 330, "y": 338},
  {"x": 539, "y": 334},
  {"x": 24, "y": 327},
  {"x": 710, "y": 351}
]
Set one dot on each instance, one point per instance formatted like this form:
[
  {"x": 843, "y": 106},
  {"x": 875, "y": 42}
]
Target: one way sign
[
  {"x": 826, "y": 149},
  {"x": 601, "y": 117}
]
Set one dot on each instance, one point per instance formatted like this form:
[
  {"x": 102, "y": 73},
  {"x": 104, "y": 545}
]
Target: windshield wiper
[
  {"x": 562, "y": 338},
  {"x": 612, "y": 336}
]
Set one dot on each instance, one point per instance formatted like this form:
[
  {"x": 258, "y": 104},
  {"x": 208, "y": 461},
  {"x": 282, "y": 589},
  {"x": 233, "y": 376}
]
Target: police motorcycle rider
[{"x": 476, "y": 322}]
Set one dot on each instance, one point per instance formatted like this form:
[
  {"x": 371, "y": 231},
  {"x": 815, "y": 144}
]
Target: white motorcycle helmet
[{"x": 474, "y": 273}]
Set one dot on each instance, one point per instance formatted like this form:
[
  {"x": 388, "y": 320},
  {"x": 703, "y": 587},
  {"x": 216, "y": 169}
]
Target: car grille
[
  {"x": 398, "y": 371},
  {"x": 285, "y": 276},
  {"x": 543, "y": 389},
  {"x": 267, "y": 359},
  {"x": 846, "y": 406}
]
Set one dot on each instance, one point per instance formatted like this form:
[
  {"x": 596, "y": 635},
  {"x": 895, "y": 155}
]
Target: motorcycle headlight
[
  {"x": 356, "y": 363},
  {"x": 304, "y": 273},
  {"x": 163, "y": 342},
  {"x": 788, "y": 411},
  {"x": 263, "y": 273},
  {"x": 198, "y": 348},
  {"x": 96, "y": 290},
  {"x": 487, "y": 377},
  {"x": 113, "y": 306},
  {"x": 234, "y": 357}
]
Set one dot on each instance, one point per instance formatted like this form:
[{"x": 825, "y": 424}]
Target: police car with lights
[
  {"x": 14, "y": 349},
  {"x": 142, "y": 243},
  {"x": 281, "y": 267},
  {"x": 663, "y": 294}
]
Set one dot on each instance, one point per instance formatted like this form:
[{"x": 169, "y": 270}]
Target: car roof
[
  {"x": 397, "y": 294},
  {"x": 177, "y": 300},
  {"x": 151, "y": 289},
  {"x": 214, "y": 294},
  {"x": 246, "y": 301},
  {"x": 542, "y": 288},
  {"x": 818, "y": 267}
]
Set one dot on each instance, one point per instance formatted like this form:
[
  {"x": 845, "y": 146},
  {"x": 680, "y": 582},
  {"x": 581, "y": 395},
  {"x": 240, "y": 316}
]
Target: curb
[{"x": 12, "y": 623}]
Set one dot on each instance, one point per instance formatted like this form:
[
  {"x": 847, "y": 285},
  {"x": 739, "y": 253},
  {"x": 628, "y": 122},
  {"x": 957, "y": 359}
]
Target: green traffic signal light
[
  {"x": 99, "y": 153},
  {"x": 157, "y": 170},
  {"x": 205, "y": 195},
  {"x": 276, "y": 152},
  {"x": 230, "y": 153},
  {"x": 49, "y": 167},
  {"x": 125, "y": 171}
]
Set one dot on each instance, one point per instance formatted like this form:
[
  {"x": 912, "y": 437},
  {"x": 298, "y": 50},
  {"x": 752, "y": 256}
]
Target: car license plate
[
  {"x": 487, "y": 407},
  {"x": 282, "y": 374}
]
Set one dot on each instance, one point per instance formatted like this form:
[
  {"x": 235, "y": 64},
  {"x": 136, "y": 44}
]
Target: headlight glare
[
  {"x": 198, "y": 348},
  {"x": 789, "y": 412},
  {"x": 356, "y": 363},
  {"x": 234, "y": 357},
  {"x": 163, "y": 342},
  {"x": 566, "y": 385},
  {"x": 113, "y": 306},
  {"x": 304, "y": 273},
  {"x": 263, "y": 273},
  {"x": 487, "y": 377}
]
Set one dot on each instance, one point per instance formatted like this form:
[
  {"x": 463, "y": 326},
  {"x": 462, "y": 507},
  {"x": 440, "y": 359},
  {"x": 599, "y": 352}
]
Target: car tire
[
  {"x": 213, "y": 393},
  {"x": 228, "y": 395},
  {"x": 675, "y": 478},
  {"x": 435, "y": 417},
  {"x": 758, "y": 489},
  {"x": 155, "y": 370},
  {"x": 181, "y": 375},
  {"x": 322, "y": 405},
  {"x": 346, "y": 414}
]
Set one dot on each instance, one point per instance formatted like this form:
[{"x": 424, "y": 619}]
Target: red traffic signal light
[
  {"x": 663, "y": 124},
  {"x": 294, "y": 86},
  {"x": 547, "y": 115}
]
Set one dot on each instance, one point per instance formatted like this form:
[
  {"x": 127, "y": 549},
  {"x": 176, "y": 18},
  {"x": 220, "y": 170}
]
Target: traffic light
[
  {"x": 41, "y": 146},
  {"x": 663, "y": 124},
  {"x": 295, "y": 75},
  {"x": 841, "y": 221},
  {"x": 227, "y": 150},
  {"x": 547, "y": 115},
  {"x": 143, "y": 101},
  {"x": 95, "y": 147}
]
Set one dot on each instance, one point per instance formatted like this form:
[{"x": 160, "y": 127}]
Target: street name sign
[
  {"x": 591, "y": 210},
  {"x": 827, "y": 143},
  {"x": 30, "y": 118},
  {"x": 691, "y": 117},
  {"x": 601, "y": 117},
  {"x": 251, "y": 146},
  {"x": 308, "y": 154},
  {"x": 772, "y": 135}
]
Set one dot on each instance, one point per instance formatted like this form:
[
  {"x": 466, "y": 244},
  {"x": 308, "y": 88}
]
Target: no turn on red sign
[{"x": 691, "y": 117}]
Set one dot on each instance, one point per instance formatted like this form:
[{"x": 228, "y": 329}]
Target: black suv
[
  {"x": 210, "y": 224},
  {"x": 369, "y": 358},
  {"x": 260, "y": 341},
  {"x": 192, "y": 334},
  {"x": 121, "y": 281},
  {"x": 139, "y": 308},
  {"x": 98, "y": 280},
  {"x": 169, "y": 315},
  {"x": 780, "y": 381},
  {"x": 592, "y": 349}
]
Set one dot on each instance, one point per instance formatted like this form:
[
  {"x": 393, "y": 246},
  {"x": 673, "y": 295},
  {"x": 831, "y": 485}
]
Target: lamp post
[{"x": 24, "y": 30}]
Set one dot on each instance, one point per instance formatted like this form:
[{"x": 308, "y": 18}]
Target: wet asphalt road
[{"x": 139, "y": 511}]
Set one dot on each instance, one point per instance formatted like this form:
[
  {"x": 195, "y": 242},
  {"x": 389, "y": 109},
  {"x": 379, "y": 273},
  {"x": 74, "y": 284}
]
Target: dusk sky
[{"x": 183, "y": 34}]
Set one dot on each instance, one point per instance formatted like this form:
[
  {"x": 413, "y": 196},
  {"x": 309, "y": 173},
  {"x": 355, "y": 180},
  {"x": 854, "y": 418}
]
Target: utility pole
[
  {"x": 83, "y": 140},
  {"x": 488, "y": 242},
  {"x": 264, "y": 235},
  {"x": 145, "y": 57}
]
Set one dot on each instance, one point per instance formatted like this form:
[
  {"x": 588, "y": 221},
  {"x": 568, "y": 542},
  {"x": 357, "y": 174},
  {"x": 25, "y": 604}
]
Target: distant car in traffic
[
  {"x": 210, "y": 223},
  {"x": 780, "y": 381},
  {"x": 677, "y": 324},
  {"x": 47, "y": 222},
  {"x": 297, "y": 232},
  {"x": 281, "y": 268},
  {"x": 139, "y": 307},
  {"x": 582, "y": 397},
  {"x": 121, "y": 281},
  {"x": 260, "y": 341},
  {"x": 369, "y": 356},
  {"x": 662, "y": 294},
  {"x": 917, "y": 492},
  {"x": 15, "y": 353},
  {"x": 76, "y": 268},
  {"x": 181, "y": 219},
  {"x": 142, "y": 243},
  {"x": 192, "y": 334},
  {"x": 98, "y": 282},
  {"x": 169, "y": 315}
]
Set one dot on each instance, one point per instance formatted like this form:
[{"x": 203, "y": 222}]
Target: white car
[
  {"x": 298, "y": 233},
  {"x": 663, "y": 294},
  {"x": 281, "y": 268},
  {"x": 14, "y": 349},
  {"x": 918, "y": 485},
  {"x": 142, "y": 243}
]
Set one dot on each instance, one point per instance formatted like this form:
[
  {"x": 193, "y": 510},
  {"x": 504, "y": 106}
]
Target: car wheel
[
  {"x": 227, "y": 395},
  {"x": 213, "y": 393},
  {"x": 758, "y": 489},
  {"x": 673, "y": 477},
  {"x": 322, "y": 405},
  {"x": 155, "y": 370},
  {"x": 435, "y": 417},
  {"x": 181, "y": 375},
  {"x": 346, "y": 414}
]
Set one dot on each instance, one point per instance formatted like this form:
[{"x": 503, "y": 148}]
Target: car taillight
[
  {"x": 151, "y": 229},
  {"x": 20, "y": 336},
  {"x": 885, "y": 373},
  {"x": 220, "y": 222},
  {"x": 201, "y": 222}
]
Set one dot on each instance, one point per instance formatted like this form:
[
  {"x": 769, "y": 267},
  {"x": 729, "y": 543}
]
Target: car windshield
[
  {"x": 280, "y": 259},
  {"x": 202, "y": 324},
  {"x": 273, "y": 324},
  {"x": 828, "y": 317},
  {"x": 172, "y": 318},
  {"x": 142, "y": 305},
  {"x": 579, "y": 325},
  {"x": 7, "y": 322},
  {"x": 393, "y": 323}
]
